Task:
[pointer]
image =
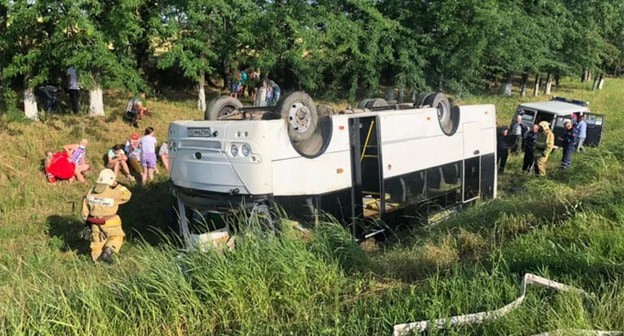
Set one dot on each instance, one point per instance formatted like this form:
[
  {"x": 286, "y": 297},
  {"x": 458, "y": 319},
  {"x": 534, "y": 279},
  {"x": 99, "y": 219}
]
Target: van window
[
  {"x": 592, "y": 119},
  {"x": 544, "y": 116},
  {"x": 527, "y": 116}
]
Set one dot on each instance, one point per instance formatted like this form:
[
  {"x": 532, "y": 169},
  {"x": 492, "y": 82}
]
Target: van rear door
[{"x": 595, "y": 123}]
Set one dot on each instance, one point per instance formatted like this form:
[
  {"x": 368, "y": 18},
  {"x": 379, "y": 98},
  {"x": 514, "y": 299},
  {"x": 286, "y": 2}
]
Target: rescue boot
[{"x": 107, "y": 255}]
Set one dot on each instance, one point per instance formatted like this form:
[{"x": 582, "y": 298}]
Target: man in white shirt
[{"x": 74, "y": 89}]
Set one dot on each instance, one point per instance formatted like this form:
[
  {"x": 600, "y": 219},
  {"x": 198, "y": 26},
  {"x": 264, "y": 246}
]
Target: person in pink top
[{"x": 148, "y": 155}]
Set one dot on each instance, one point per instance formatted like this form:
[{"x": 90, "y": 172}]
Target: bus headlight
[
  {"x": 233, "y": 150},
  {"x": 245, "y": 150}
]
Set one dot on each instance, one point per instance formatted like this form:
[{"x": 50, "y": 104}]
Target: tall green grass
[{"x": 567, "y": 226}]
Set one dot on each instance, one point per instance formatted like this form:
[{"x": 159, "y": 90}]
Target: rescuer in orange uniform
[{"x": 99, "y": 209}]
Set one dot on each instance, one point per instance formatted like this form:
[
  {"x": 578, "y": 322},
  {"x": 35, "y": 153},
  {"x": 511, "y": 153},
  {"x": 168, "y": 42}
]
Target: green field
[{"x": 568, "y": 227}]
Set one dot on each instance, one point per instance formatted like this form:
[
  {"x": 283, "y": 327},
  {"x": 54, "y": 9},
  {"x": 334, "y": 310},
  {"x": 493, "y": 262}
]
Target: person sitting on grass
[
  {"x": 117, "y": 157},
  {"x": 133, "y": 151},
  {"x": 77, "y": 154}
]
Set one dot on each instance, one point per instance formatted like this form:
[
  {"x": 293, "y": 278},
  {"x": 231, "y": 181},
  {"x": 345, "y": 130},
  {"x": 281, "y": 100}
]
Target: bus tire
[
  {"x": 324, "y": 110},
  {"x": 299, "y": 110},
  {"x": 439, "y": 101},
  {"x": 362, "y": 104},
  {"x": 419, "y": 99},
  {"x": 377, "y": 102},
  {"x": 221, "y": 106}
]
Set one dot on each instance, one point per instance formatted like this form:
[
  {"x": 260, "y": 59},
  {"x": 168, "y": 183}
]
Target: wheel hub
[{"x": 299, "y": 117}]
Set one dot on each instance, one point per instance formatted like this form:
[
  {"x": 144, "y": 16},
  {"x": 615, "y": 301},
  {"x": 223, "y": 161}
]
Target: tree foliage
[{"x": 348, "y": 48}]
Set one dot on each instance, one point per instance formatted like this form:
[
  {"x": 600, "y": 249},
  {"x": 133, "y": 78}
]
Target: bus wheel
[
  {"x": 299, "y": 110},
  {"x": 221, "y": 106},
  {"x": 377, "y": 102},
  {"x": 439, "y": 101},
  {"x": 362, "y": 104},
  {"x": 419, "y": 99},
  {"x": 324, "y": 110}
]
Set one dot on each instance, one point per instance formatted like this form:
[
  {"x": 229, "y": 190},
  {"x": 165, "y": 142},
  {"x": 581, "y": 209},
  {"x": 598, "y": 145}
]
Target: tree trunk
[
  {"x": 30, "y": 105},
  {"x": 523, "y": 86},
  {"x": 548, "y": 84},
  {"x": 536, "y": 86},
  {"x": 201, "y": 101},
  {"x": 595, "y": 84},
  {"x": 401, "y": 94},
  {"x": 96, "y": 101},
  {"x": 584, "y": 75},
  {"x": 601, "y": 82},
  {"x": 390, "y": 93},
  {"x": 557, "y": 80},
  {"x": 506, "y": 86}
]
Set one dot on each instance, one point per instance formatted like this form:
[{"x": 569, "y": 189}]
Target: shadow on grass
[
  {"x": 146, "y": 216},
  {"x": 66, "y": 229}
]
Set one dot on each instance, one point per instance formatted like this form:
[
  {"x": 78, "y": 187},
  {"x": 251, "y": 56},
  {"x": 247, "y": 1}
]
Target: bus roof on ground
[{"x": 556, "y": 107}]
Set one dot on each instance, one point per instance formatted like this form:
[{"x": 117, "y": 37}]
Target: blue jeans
[{"x": 566, "y": 160}]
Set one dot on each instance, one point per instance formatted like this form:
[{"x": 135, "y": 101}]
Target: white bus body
[{"x": 400, "y": 152}]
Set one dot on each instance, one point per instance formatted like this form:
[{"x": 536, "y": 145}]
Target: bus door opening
[{"x": 366, "y": 162}]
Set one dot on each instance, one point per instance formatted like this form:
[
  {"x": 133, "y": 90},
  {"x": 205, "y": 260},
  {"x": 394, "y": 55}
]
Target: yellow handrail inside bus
[{"x": 370, "y": 130}]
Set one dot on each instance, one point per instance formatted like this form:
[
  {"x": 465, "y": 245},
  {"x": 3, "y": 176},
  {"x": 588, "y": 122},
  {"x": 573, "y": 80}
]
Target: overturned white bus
[{"x": 394, "y": 162}]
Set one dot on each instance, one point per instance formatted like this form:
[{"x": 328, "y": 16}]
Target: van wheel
[
  {"x": 448, "y": 122},
  {"x": 221, "y": 106},
  {"x": 299, "y": 110}
]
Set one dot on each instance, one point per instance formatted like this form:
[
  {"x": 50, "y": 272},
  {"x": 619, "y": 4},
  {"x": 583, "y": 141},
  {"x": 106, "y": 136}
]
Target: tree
[
  {"x": 23, "y": 45},
  {"x": 193, "y": 28}
]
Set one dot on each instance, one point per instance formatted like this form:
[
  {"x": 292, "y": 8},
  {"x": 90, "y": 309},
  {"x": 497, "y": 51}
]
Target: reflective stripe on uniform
[{"x": 101, "y": 201}]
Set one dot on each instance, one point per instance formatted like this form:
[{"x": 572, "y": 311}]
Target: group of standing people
[
  {"x": 263, "y": 91},
  {"x": 538, "y": 143}
]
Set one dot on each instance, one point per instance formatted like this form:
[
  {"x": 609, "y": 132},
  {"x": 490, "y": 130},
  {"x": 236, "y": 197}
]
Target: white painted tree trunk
[
  {"x": 601, "y": 83},
  {"x": 548, "y": 86},
  {"x": 505, "y": 89},
  {"x": 96, "y": 101},
  {"x": 201, "y": 101},
  {"x": 536, "y": 86},
  {"x": 30, "y": 105}
]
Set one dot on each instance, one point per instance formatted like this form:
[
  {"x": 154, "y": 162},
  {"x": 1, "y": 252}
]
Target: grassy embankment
[{"x": 568, "y": 226}]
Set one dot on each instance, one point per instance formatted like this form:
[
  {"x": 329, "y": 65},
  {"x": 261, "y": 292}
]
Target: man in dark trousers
[
  {"x": 568, "y": 141},
  {"x": 529, "y": 146},
  {"x": 503, "y": 142}
]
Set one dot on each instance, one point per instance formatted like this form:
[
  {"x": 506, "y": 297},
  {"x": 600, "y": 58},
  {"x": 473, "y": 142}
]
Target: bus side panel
[{"x": 303, "y": 176}]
